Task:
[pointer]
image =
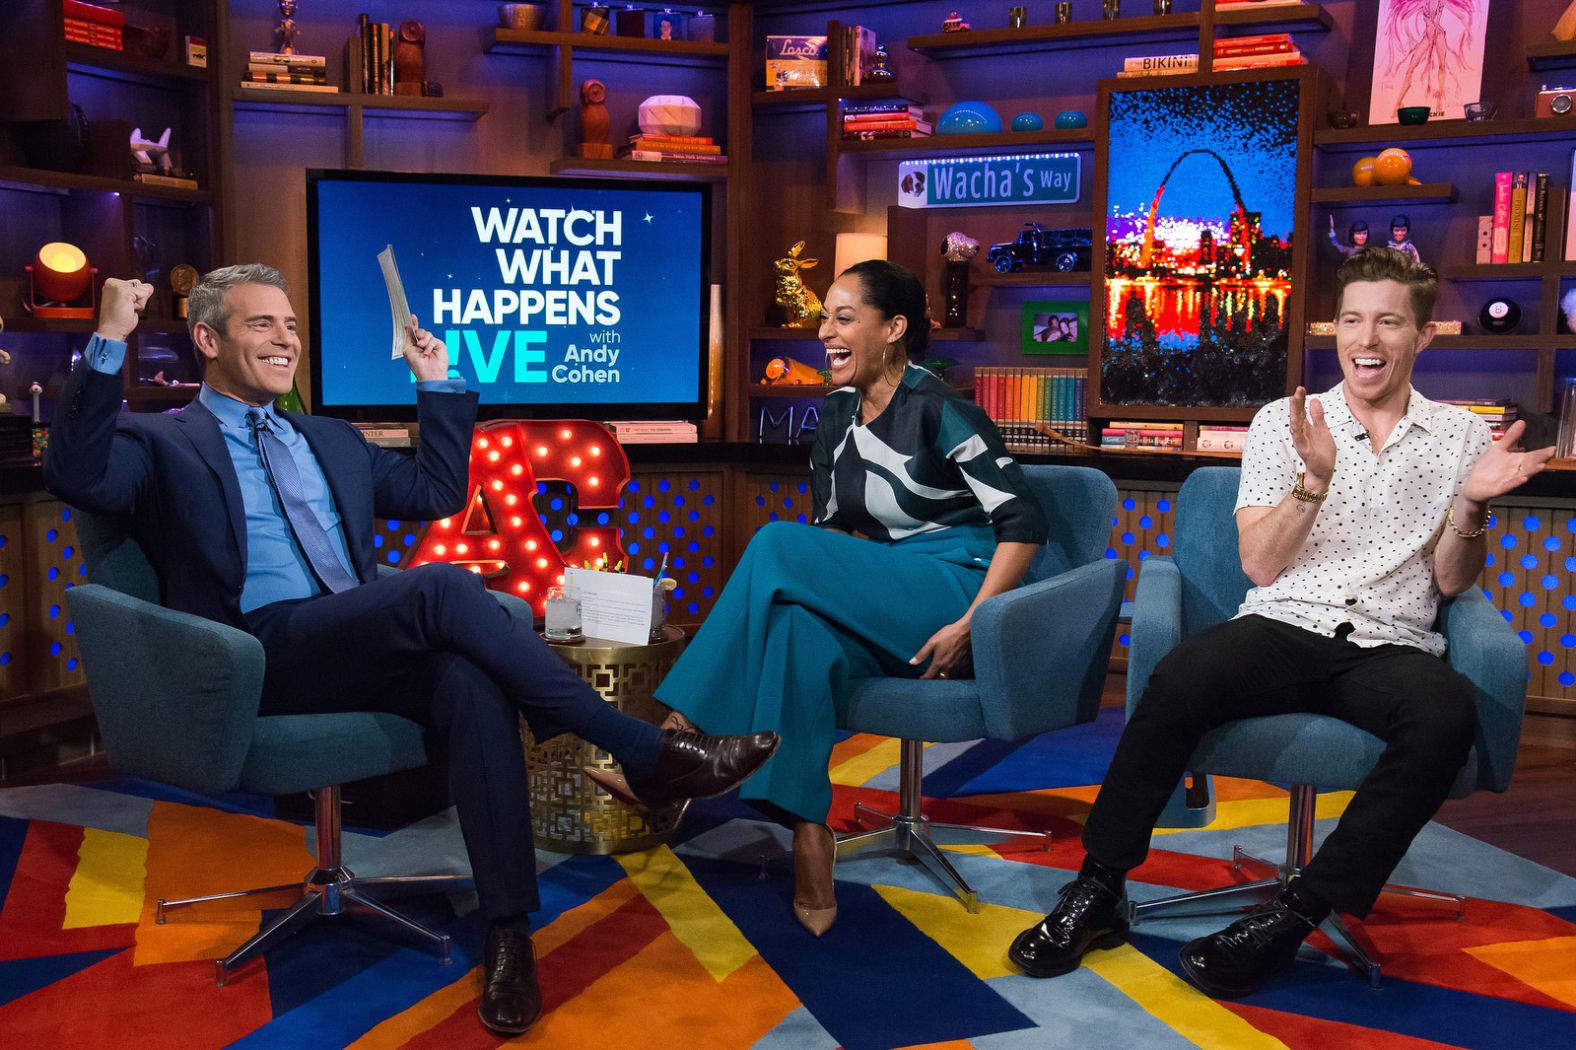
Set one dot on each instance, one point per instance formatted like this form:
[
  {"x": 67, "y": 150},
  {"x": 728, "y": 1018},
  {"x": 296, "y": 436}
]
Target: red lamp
[{"x": 59, "y": 276}]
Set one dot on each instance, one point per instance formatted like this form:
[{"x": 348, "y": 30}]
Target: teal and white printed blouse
[{"x": 932, "y": 461}]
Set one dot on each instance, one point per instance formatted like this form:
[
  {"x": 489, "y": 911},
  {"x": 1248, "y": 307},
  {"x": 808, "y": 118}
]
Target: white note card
[{"x": 613, "y": 605}]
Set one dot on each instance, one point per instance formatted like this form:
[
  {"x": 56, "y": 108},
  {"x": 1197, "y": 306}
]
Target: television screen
[{"x": 555, "y": 297}]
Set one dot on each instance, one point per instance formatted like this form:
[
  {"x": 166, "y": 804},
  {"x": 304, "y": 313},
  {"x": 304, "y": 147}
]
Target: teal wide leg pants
[{"x": 807, "y": 613}]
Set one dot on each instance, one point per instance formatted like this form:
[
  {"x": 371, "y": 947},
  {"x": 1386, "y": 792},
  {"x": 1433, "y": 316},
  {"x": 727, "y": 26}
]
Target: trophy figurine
[
  {"x": 957, "y": 249},
  {"x": 286, "y": 33},
  {"x": 183, "y": 278}
]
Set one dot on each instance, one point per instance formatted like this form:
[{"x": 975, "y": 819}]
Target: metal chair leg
[
  {"x": 181, "y": 902},
  {"x": 1336, "y": 929},
  {"x": 438, "y": 941},
  {"x": 935, "y": 861},
  {"x": 1220, "y": 901},
  {"x": 303, "y": 912}
]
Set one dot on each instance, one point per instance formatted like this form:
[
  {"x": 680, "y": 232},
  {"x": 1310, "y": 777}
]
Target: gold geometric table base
[{"x": 570, "y": 814}]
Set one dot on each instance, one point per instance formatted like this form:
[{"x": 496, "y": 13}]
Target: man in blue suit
[{"x": 263, "y": 520}]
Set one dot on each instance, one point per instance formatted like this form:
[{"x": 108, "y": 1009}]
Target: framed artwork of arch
[{"x": 1202, "y": 190}]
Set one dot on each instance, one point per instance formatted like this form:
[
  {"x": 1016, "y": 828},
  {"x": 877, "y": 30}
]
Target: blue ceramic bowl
[
  {"x": 1071, "y": 118},
  {"x": 1027, "y": 122},
  {"x": 969, "y": 118}
]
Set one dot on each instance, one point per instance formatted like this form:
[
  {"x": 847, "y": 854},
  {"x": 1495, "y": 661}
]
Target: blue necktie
[{"x": 286, "y": 479}]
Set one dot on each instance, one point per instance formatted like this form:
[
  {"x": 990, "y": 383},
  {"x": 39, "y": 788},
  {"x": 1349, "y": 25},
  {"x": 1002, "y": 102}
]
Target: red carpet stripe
[
  {"x": 35, "y": 906},
  {"x": 1312, "y": 1033},
  {"x": 563, "y": 973}
]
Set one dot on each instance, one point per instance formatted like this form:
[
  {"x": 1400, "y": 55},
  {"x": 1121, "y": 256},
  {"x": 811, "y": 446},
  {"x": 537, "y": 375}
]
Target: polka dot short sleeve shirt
[{"x": 1369, "y": 560}]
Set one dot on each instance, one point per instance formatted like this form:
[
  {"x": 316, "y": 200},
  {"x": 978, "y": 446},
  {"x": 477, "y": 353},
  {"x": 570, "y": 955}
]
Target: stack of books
[
  {"x": 1219, "y": 437},
  {"x": 1517, "y": 230},
  {"x": 1120, "y": 434},
  {"x": 389, "y": 435},
  {"x": 271, "y": 69},
  {"x": 675, "y": 149},
  {"x": 885, "y": 120},
  {"x": 654, "y": 432},
  {"x": 1019, "y": 400},
  {"x": 94, "y": 25},
  {"x": 1499, "y": 414},
  {"x": 1267, "y": 50}
]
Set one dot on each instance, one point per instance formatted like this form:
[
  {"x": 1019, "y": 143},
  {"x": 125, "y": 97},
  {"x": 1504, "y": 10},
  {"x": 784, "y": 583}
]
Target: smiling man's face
[{"x": 254, "y": 359}]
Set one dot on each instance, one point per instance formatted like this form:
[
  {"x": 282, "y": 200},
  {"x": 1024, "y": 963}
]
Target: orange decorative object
[
  {"x": 499, "y": 535},
  {"x": 1363, "y": 172},
  {"x": 59, "y": 276},
  {"x": 1392, "y": 167},
  {"x": 785, "y": 371}
]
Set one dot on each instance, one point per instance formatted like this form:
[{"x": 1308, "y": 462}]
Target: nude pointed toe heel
[{"x": 817, "y": 920}]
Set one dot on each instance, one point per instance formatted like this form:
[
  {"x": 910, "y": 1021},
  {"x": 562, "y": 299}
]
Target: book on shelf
[
  {"x": 858, "y": 46},
  {"x": 673, "y": 145},
  {"x": 279, "y": 58},
  {"x": 1254, "y": 5},
  {"x": 282, "y": 68},
  {"x": 888, "y": 133},
  {"x": 879, "y": 120},
  {"x": 1539, "y": 206},
  {"x": 388, "y": 435},
  {"x": 283, "y": 78},
  {"x": 854, "y": 131},
  {"x": 1500, "y": 251},
  {"x": 1214, "y": 437},
  {"x": 865, "y": 109},
  {"x": 654, "y": 432},
  {"x": 1518, "y": 216},
  {"x": 330, "y": 89},
  {"x": 1120, "y": 437},
  {"x": 153, "y": 178},
  {"x": 1259, "y": 62},
  {"x": 673, "y": 140},
  {"x": 1020, "y": 400},
  {"x": 1485, "y": 240},
  {"x": 94, "y": 13},
  {"x": 664, "y": 156}
]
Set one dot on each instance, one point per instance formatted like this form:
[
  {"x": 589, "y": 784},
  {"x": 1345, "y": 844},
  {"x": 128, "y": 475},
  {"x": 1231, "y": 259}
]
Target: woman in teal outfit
[{"x": 920, "y": 515}]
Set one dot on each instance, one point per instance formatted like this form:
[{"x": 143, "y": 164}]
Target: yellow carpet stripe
[
  {"x": 107, "y": 887},
  {"x": 1189, "y": 1012},
  {"x": 857, "y": 771},
  {"x": 977, "y": 941},
  {"x": 696, "y": 920},
  {"x": 1256, "y": 811}
]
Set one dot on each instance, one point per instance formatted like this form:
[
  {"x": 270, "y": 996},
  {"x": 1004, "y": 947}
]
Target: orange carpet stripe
[
  {"x": 151, "y": 1006},
  {"x": 663, "y": 997},
  {"x": 34, "y": 913},
  {"x": 193, "y": 850},
  {"x": 953, "y": 1044},
  {"x": 1312, "y": 1033},
  {"x": 564, "y": 973},
  {"x": 420, "y": 1017}
]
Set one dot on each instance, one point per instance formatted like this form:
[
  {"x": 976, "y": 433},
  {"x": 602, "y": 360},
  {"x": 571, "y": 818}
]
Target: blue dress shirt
[{"x": 276, "y": 568}]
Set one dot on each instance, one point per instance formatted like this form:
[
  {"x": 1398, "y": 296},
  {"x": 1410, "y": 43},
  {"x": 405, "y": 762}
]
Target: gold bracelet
[
  {"x": 1305, "y": 496},
  {"x": 1450, "y": 519}
]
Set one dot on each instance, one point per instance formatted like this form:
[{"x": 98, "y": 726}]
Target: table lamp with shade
[{"x": 58, "y": 279}]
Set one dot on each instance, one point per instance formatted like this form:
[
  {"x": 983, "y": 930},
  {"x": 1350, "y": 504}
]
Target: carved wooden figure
[
  {"x": 596, "y": 127},
  {"x": 410, "y": 58}
]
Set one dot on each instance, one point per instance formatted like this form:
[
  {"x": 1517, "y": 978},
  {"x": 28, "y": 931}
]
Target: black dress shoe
[
  {"x": 1088, "y": 916},
  {"x": 691, "y": 765},
  {"x": 1243, "y": 957},
  {"x": 511, "y": 1000}
]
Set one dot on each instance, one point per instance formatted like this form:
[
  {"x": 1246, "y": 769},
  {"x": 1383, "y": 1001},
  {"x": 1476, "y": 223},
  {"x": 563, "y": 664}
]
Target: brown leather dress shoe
[
  {"x": 511, "y": 1000},
  {"x": 690, "y": 765}
]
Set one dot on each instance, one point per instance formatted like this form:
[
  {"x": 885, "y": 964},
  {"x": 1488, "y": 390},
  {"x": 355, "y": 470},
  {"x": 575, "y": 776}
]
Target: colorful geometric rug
[{"x": 685, "y": 946}]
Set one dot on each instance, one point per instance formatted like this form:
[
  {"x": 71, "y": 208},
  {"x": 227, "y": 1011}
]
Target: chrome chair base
[
  {"x": 914, "y": 838},
  {"x": 1225, "y": 900},
  {"x": 330, "y": 889}
]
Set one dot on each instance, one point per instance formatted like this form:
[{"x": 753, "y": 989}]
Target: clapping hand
[
  {"x": 1310, "y": 436},
  {"x": 1504, "y": 466},
  {"x": 427, "y": 355}
]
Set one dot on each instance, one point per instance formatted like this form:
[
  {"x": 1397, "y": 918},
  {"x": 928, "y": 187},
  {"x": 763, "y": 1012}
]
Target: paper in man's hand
[{"x": 397, "y": 305}]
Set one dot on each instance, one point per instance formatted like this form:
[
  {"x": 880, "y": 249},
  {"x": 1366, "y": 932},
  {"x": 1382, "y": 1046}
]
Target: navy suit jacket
[{"x": 171, "y": 478}]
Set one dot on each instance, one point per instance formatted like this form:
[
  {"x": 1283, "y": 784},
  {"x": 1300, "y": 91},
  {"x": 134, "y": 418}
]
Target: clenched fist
[{"x": 120, "y": 303}]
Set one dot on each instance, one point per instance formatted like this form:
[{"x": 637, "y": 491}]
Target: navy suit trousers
[{"x": 433, "y": 645}]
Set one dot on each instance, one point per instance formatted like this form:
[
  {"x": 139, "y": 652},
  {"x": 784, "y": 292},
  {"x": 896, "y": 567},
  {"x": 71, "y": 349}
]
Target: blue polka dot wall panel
[
  {"x": 53, "y": 566},
  {"x": 679, "y": 514},
  {"x": 1141, "y": 528},
  {"x": 774, "y": 497},
  {"x": 1529, "y": 575},
  {"x": 14, "y": 612}
]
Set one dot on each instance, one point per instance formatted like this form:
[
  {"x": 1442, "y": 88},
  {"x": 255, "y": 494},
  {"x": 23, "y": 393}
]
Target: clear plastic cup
[{"x": 562, "y": 615}]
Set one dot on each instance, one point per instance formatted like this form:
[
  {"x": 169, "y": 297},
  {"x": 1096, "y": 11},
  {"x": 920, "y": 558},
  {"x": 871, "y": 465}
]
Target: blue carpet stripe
[
  {"x": 20, "y": 977},
  {"x": 13, "y": 833},
  {"x": 1423, "y": 1011},
  {"x": 1069, "y": 758},
  {"x": 947, "y": 781},
  {"x": 919, "y": 993}
]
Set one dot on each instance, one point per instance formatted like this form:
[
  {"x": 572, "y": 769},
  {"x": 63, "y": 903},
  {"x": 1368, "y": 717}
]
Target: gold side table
[{"x": 569, "y": 813}]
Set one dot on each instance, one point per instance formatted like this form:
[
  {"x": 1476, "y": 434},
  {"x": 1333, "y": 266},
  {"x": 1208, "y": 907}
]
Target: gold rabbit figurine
[{"x": 802, "y": 305}]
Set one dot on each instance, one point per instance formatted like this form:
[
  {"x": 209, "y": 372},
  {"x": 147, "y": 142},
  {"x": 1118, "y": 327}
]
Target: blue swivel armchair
[
  {"x": 176, "y": 697},
  {"x": 1040, "y": 658},
  {"x": 1203, "y": 584}
]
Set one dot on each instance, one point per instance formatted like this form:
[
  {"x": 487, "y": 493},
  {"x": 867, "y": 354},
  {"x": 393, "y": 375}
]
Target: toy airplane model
[{"x": 146, "y": 150}]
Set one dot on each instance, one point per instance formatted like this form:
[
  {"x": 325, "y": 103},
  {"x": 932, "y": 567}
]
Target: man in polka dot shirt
[{"x": 1357, "y": 511}]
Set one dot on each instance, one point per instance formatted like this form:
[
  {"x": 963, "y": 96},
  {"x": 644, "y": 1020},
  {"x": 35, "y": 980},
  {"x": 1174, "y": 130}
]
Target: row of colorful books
[
  {"x": 858, "y": 54},
  {"x": 1499, "y": 414},
  {"x": 1017, "y": 399},
  {"x": 276, "y": 70},
  {"x": 1265, "y": 50},
  {"x": 674, "y": 149},
  {"x": 885, "y": 120},
  {"x": 94, "y": 25},
  {"x": 1518, "y": 228}
]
